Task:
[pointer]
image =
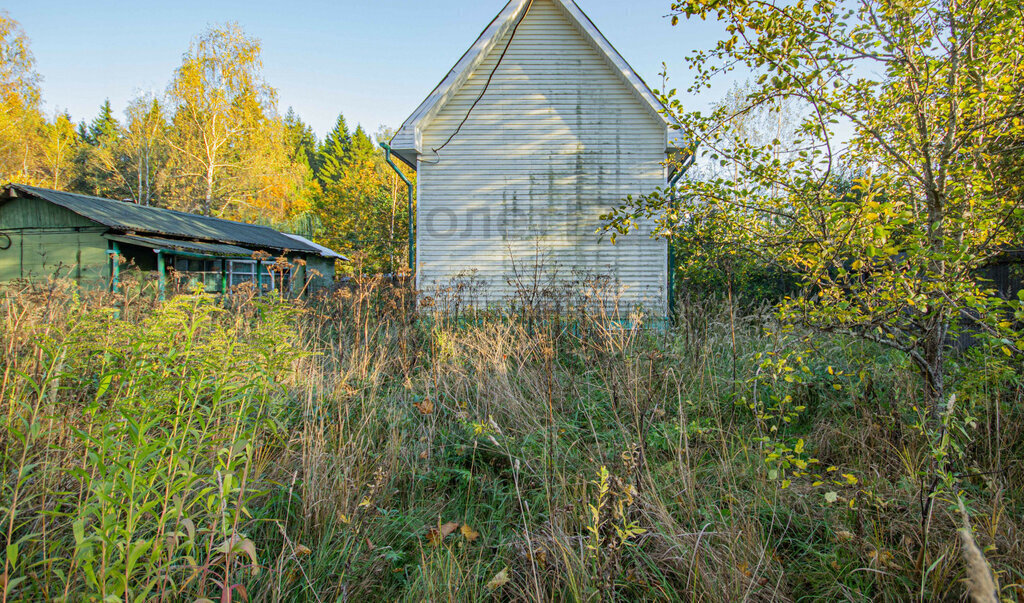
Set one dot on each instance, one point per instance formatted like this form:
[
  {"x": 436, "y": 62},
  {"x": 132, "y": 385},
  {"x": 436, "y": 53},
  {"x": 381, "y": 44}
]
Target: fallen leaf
[
  {"x": 831, "y": 497},
  {"x": 448, "y": 528},
  {"x": 302, "y": 550},
  {"x": 425, "y": 407},
  {"x": 844, "y": 536},
  {"x": 425, "y": 455},
  {"x": 438, "y": 534},
  {"x": 500, "y": 579},
  {"x": 469, "y": 533}
]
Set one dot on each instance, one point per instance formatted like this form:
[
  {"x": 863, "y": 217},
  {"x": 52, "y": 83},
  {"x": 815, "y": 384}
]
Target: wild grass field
[{"x": 347, "y": 449}]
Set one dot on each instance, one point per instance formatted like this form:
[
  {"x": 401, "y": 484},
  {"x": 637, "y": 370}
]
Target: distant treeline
[{"x": 214, "y": 143}]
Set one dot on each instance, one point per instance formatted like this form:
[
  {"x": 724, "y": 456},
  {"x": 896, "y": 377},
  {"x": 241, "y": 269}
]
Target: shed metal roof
[
  {"x": 324, "y": 251},
  {"x": 129, "y": 217},
  {"x": 186, "y": 246}
]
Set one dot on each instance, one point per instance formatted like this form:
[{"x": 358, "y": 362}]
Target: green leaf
[
  {"x": 12, "y": 555},
  {"x": 104, "y": 386}
]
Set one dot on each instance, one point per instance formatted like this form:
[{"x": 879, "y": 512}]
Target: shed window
[
  {"x": 193, "y": 271},
  {"x": 242, "y": 271},
  {"x": 208, "y": 273}
]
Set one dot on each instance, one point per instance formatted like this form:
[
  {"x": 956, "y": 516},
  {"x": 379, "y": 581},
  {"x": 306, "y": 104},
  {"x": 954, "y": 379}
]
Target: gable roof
[
  {"x": 408, "y": 142},
  {"x": 125, "y": 217}
]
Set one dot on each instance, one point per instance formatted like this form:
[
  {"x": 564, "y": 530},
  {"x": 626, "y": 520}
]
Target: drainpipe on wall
[
  {"x": 412, "y": 223},
  {"x": 686, "y": 165}
]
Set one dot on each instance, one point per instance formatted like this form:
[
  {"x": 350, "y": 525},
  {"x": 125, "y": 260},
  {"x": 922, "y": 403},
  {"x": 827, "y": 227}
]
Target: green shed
[{"x": 47, "y": 233}]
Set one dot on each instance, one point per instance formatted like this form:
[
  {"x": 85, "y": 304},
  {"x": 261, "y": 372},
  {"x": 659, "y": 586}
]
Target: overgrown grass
[{"x": 345, "y": 449}]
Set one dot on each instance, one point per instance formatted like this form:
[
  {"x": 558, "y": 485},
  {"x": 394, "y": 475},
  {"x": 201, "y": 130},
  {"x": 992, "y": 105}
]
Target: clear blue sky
[{"x": 374, "y": 61}]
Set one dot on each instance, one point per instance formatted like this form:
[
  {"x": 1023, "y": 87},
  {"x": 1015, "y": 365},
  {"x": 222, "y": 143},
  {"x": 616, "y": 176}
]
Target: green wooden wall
[{"x": 40, "y": 240}]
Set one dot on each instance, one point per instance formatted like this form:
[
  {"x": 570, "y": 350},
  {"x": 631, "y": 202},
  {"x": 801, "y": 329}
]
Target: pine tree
[
  {"x": 361, "y": 207},
  {"x": 100, "y": 163},
  {"x": 105, "y": 128},
  {"x": 362, "y": 147},
  {"x": 301, "y": 140},
  {"x": 333, "y": 154}
]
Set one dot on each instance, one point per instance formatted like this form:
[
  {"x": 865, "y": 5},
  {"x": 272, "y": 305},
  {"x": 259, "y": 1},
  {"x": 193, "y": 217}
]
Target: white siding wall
[{"x": 557, "y": 140}]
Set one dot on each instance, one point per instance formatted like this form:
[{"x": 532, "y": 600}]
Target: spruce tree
[
  {"x": 334, "y": 154},
  {"x": 104, "y": 128},
  {"x": 100, "y": 162},
  {"x": 362, "y": 148},
  {"x": 301, "y": 140}
]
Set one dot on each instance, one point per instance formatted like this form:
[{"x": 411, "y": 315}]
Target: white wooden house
[{"x": 539, "y": 129}]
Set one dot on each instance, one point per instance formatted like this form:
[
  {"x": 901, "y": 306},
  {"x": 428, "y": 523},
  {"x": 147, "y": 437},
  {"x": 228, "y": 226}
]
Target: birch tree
[
  {"x": 218, "y": 97},
  {"x": 21, "y": 120},
  {"x": 60, "y": 144},
  {"x": 145, "y": 141}
]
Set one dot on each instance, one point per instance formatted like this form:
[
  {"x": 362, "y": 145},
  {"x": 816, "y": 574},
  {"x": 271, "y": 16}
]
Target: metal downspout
[
  {"x": 412, "y": 223},
  {"x": 686, "y": 165},
  {"x": 115, "y": 268}
]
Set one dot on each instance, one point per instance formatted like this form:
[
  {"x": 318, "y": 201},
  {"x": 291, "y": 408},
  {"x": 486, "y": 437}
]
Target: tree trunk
[
  {"x": 139, "y": 198},
  {"x": 208, "y": 201},
  {"x": 934, "y": 377}
]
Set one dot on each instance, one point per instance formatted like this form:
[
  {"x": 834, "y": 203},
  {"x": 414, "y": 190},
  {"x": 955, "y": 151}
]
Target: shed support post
[
  {"x": 161, "y": 275},
  {"x": 224, "y": 277},
  {"x": 115, "y": 267}
]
